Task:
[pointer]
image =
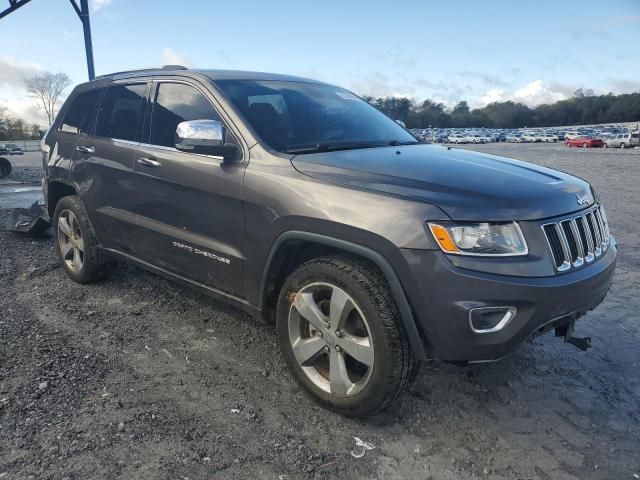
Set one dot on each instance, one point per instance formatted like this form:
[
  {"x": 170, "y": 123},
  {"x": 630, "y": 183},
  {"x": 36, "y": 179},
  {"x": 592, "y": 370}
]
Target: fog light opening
[{"x": 490, "y": 319}]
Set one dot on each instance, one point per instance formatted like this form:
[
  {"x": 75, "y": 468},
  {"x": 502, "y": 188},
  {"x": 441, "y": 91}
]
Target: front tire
[
  {"x": 75, "y": 243},
  {"x": 342, "y": 337}
]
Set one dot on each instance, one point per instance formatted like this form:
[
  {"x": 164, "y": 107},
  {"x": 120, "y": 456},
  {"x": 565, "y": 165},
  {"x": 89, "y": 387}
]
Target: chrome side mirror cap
[{"x": 205, "y": 137}]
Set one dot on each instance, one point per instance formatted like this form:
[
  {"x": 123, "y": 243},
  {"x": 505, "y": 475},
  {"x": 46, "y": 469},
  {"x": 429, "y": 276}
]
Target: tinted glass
[
  {"x": 291, "y": 116},
  {"x": 81, "y": 114},
  {"x": 121, "y": 112},
  {"x": 175, "y": 103}
]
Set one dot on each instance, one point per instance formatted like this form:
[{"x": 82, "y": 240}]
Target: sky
[{"x": 528, "y": 51}]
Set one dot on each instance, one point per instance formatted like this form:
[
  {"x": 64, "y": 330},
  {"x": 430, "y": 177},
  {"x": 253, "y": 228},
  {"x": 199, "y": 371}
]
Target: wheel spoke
[
  {"x": 73, "y": 222},
  {"x": 338, "y": 377},
  {"x": 307, "y": 350},
  {"x": 308, "y": 308},
  {"x": 77, "y": 259},
  {"x": 339, "y": 308},
  {"x": 358, "y": 347},
  {"x": 64, "y": 226},
  {"x": 80, "y": 244},
  {"x": 65, "y": 249}
]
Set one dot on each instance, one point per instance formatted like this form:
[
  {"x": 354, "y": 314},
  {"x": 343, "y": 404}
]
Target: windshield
[{"x": 297, "y": 117}]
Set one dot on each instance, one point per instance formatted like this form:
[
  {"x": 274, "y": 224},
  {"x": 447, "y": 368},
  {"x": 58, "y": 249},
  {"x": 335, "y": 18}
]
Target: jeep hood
[{"x": 468, "y": 186}]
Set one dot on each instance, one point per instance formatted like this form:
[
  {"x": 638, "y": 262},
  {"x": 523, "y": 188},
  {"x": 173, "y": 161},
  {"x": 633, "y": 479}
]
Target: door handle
[
  {"x": 147, "y": 162},
  {"x": 84, "y": 149}
]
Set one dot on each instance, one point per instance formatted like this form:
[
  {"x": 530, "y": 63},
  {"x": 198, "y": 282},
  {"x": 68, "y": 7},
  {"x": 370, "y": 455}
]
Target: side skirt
[{"x": 237, "y": 302}]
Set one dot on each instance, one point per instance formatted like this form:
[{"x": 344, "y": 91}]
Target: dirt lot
[{"x": 139, "y": 378}]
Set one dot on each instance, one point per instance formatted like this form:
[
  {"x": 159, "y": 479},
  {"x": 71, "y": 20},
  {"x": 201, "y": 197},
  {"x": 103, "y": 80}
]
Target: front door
[{"x": 188, "y": 207}]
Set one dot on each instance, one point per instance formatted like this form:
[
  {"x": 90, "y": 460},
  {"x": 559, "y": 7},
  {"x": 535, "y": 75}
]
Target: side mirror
[{"x": 205, "y": 137}]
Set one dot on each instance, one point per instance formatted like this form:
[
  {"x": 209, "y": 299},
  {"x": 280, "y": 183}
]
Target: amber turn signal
[{"x": 443, "y": 238}]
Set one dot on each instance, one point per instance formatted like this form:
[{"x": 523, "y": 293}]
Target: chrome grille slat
[{"x": 579, "y": 239}]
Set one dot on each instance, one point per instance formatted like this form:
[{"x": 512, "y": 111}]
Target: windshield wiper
[
  {"x": 396, "y": 143},
  {"x": 326, "y": 147}
]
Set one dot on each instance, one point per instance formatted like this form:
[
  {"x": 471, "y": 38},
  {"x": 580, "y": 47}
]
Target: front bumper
[{"x": 442, "y": 295}]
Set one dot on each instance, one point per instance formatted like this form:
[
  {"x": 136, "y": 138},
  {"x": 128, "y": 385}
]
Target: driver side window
[{"x": 175, "y": 103}]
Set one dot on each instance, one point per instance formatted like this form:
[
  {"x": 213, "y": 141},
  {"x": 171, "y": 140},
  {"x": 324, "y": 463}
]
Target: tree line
[
  {"x": 583, "y": 108},
  {"x": 12, "y": 128}
]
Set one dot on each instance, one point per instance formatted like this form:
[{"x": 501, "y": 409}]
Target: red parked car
[{"x": 584, "y": 141}]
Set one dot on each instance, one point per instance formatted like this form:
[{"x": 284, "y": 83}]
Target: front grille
[{"x": 578, "y": 240}]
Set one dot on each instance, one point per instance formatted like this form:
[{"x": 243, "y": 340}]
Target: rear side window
[
  {"x": 82, "y": 112},
  {"x": 175, "y": 103},
  {"x": 122, "y": 111}
]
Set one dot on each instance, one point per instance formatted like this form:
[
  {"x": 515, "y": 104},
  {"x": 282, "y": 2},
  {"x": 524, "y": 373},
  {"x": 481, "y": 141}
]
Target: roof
[{"x": 214, "y": 75}]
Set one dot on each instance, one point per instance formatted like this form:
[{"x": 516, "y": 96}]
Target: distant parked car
[
  {"x": 531, "y": 137},
  {"x": 476, "y": 138},
  {"x": 457, "y": 138},
  {"x": 3, "y": 150},
  {"x": 584, "y": 142},
  {"x": 571, "y": 134},
  {"x": 501, "y": 137},
  {"x": 13, "y": 149},
  {"x": 549, "y": 137},
  {"x": 622, "y": 140},
  {"x": 514, "y": 138}
]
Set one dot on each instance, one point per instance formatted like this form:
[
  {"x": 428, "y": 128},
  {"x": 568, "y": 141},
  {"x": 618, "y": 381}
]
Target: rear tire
[
  {"x": 75, "y": 243},
  {"x": 585, "y": 145},
  {"x": 315, "y": 291},
  {"x": 623, "y": 145}
]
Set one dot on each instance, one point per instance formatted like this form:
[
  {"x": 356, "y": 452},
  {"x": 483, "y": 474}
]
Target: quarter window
[
  {"x": 121, "y": 112},
  {"x": 175, "y": 103},
  {"x": 82, "y": 112}
]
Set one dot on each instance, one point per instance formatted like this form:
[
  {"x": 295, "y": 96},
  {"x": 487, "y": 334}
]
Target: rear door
[
  {"x": 76, "y": 121},
  {"x": 104, "y": 163},
  {"x": 188, "y": 207}
]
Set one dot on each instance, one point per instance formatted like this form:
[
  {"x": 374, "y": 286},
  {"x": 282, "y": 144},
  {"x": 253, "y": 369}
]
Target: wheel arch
[
  {"x": 295, "y": 247},
  {"x": 56, "y": 190}
]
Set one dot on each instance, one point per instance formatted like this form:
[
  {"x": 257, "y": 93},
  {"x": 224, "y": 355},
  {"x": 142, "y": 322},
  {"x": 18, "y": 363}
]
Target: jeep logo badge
[{"x": 582, "y": 199}]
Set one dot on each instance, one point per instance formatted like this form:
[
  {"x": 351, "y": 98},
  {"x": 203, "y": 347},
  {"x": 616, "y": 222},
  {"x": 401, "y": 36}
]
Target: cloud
[
  {"x": 623, "y": 85},
  {"x": 170, "y": 57},
  {"x": 22, "y": 106},
  {"x": 99, "y": 4},
  {"x": 531, "y": 94},
  {"x": 14, "y": 72}
]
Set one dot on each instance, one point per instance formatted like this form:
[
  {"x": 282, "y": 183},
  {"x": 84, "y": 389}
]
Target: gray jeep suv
[{"x": 299, "y": 203}]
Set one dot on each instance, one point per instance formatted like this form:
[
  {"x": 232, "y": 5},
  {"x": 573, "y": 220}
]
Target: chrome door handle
[
  {"x": 147, "y": 162},
  {"x": 84, "y": 149}
]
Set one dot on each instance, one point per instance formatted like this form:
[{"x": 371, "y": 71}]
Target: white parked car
[
  {"x": 476, "y": 138},
  {"x": 530, "y": 137},
  {"x": 457, "y": 138},
  {"x": 571, "y": 134},
  {"x": 622, "y": 140},
  {"x": 514, "y": 138},
  {"x": 549, "y": 137}
]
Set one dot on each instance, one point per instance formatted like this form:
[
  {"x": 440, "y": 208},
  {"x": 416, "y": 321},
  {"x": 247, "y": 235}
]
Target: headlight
[{"x": 480, "y": 239}]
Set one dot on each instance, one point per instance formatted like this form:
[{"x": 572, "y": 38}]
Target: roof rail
[
  {"x": 164, "y": 67},
  {"x": 174, "y": 67}
]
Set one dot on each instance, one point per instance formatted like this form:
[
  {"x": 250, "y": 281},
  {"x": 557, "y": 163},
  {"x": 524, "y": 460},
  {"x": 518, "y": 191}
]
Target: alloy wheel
[
  {"x": 331, "y": 339},
  {"x": 70, "y": 241}
]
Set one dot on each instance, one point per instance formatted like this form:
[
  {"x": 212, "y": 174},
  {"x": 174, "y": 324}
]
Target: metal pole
[{"x": 86, "y": 26}]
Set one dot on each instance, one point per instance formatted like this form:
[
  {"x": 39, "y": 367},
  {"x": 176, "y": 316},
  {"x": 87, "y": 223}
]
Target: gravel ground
[{"x": 137, "y": 377}]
